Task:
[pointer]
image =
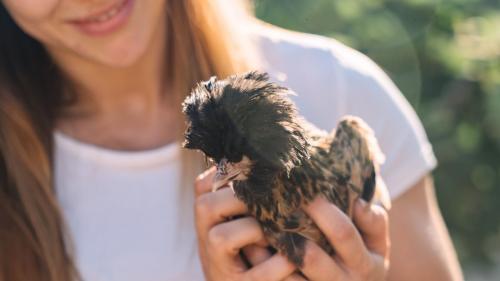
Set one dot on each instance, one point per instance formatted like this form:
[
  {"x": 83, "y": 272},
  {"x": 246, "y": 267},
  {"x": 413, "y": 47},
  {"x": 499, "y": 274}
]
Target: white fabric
[{"x": 122, "y": 207}]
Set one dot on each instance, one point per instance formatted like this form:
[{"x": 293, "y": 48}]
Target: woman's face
[{"x": 111, "y": 32}]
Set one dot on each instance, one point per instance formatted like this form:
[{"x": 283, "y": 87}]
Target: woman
[{"x": 90, "y": 161}]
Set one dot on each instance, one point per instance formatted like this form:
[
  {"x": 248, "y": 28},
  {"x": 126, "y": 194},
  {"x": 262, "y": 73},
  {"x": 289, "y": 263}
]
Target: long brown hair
[{"x": 33, "y": 241}]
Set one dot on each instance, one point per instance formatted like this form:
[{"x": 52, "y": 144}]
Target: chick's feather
[{"x": 291, "y": 161}]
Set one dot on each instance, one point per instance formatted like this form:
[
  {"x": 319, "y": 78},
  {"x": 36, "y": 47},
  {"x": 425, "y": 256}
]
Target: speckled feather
[{"x": 341, "y": 165}]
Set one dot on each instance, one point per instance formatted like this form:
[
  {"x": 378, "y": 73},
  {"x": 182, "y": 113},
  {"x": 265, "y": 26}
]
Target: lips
[{"x": 105, "y": 21}]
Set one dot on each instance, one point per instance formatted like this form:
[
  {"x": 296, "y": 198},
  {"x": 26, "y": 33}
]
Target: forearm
[{"x": 421, "y": 245}]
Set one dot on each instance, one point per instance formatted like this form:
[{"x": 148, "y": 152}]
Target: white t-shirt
[{"x": 123, "y": 208}]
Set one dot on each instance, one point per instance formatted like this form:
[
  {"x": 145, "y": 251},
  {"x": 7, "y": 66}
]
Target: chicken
[{"x": 276, "y": 161}]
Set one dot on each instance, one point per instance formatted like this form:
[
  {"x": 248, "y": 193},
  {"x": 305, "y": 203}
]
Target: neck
[{"x": 120, "y": 107}]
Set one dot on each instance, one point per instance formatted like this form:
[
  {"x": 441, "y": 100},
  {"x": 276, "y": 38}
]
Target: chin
[
  {"x": 135, "y": 40},
  {"x": 118, "y": 48},
  {"x": 120, "y": 53},
  {"x": 122, "y": 49}
]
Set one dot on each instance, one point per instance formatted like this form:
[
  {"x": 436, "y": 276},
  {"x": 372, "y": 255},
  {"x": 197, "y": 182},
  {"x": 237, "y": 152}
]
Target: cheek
[
  {"x": 128, "y": 44},
  {"x": 33, "y": 16},
  {"x": 34, "y": 10},
  {"x": 45, "y": 21}
]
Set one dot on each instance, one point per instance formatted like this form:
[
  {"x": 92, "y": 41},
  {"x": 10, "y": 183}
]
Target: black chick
[{"x": 276, "y": 161}]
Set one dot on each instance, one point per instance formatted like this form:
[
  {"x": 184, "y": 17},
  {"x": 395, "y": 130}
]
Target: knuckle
[
  {"x": 343, "y": 231},
  {"x": 217, "y": 237},
  {"x": 252, "y": 225},
  {"x": 256, "y": 276},
  {"x": 199, "y": 184},
  {"x": 311, "y": 256},
  {"x": 380, "y": 218},
  {"x": 203, "y": 205},
  {"x": 202, "y": 181}
]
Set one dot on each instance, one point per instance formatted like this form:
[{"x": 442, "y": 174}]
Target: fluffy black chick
[{"x": 277, "y": 161}]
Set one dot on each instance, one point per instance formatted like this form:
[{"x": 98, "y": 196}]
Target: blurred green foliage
[{"x": 445, "y": 58}]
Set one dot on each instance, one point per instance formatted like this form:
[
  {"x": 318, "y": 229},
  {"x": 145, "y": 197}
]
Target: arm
[{"x": 421, "y": 246}]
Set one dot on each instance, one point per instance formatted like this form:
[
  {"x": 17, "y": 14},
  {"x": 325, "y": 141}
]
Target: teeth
[{"x": 108, "y": 15}]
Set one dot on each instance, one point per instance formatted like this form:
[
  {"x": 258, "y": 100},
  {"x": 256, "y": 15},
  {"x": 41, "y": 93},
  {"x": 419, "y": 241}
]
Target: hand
[
  {"x": 220, "y": 240},
  {"x": 359, "y": 256}
]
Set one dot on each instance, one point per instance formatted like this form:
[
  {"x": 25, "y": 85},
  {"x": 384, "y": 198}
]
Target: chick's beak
[{"x": 224, "y": 174}]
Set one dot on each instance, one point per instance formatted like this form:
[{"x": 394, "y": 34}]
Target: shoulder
[
  {"x": 332, "y": 80},
  {"x": 291, "y": 50},
  {"x": 302, "y": 54},
  {"x": 322, "y": 71}
]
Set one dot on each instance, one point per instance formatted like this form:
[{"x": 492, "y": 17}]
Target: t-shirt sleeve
[{"x": 370, "y": 94}]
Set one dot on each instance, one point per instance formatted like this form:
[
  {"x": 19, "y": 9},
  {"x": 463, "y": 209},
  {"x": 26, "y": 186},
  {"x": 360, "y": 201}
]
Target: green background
[{"x": 445, "y": 58}]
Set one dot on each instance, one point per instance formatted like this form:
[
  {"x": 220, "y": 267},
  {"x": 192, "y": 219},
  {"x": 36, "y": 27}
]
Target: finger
[
  {"x": 373, "y": 223},
  {"x": 231, "y": 236},
  {"x": 318, "y": 265},
  {"x": 215, "y": 207},
  {"x": 256, "y": 254},
  {"x": 340, "y": 232},
  {"x": 203, "y": 182},
  {"x": 276, "y": 267}
]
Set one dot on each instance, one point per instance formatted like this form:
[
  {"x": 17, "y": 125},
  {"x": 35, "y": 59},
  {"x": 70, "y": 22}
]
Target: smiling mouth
[
  {"x": 105, "y": 21},
  {"x": 104, "y": 14}
]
